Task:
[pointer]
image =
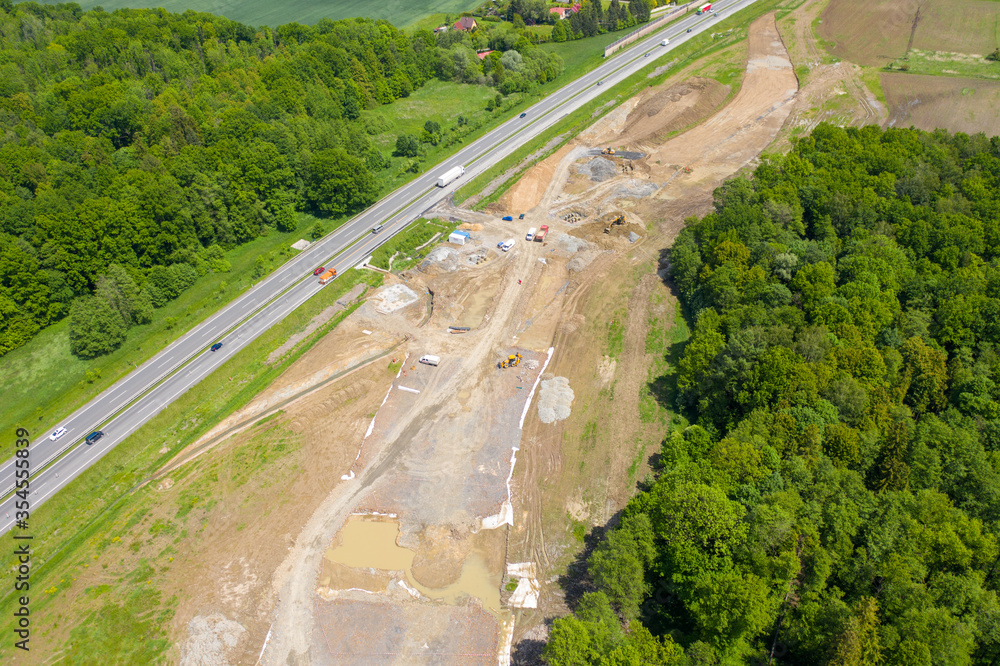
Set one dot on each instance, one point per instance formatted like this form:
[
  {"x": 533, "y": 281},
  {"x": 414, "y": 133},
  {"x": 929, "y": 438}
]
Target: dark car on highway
[
  {"x": 522, "y": 115},
  {"x": 217, "y": 346},
  {"x": 94, "y": 436},
  {"x": 319, "y": 270}
]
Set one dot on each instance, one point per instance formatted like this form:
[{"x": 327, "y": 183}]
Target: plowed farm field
[
  {"x": 876, "y": 33},
  {"x": 929, "y": 102}
]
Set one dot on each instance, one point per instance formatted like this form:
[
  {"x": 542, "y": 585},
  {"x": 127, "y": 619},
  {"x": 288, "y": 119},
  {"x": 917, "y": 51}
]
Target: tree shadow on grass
[
  {"x": 576, "y": 581},
  {"x": 664, "y": 387},
  {"x": 528, "y": 651}
]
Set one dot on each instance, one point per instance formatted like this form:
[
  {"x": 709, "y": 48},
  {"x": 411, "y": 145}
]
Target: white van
[
  {"x": 430, "y": 359},
  {"x": 377, "y": 228},
  {"x": 507, "y": 244},
  {"x": 664, "y": 42},
  {"x": 530, "y": 236}
]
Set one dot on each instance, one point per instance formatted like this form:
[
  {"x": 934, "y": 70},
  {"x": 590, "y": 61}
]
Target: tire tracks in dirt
[
  {"x": 632, "y": 371},
  {"x": 295, "y": 581}
]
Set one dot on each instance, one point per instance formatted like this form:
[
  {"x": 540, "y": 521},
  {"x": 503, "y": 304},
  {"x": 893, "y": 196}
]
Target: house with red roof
[{"x": 466, "y": 23}]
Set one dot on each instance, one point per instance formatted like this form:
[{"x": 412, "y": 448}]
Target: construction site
[
  {"x": 451, "y": 493},
  {"x": 430, "y": 512}
]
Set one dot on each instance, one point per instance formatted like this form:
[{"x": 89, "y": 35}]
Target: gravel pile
[
  {"x": 443, "y": 258},
  {"x": 598, "y": 169},
  {"x": 571, "y": 243},
  {"x": 554, "y": 399},
  {"x": 635, "y": 189},
  {"x": 577, "y": 264},
  {"x": 210, "y": 638}
]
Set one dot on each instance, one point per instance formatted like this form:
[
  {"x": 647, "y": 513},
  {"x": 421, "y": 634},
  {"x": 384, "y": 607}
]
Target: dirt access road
[{"x": 437, "y": 459}]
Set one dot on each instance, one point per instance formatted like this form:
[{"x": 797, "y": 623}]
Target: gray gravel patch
[
  {"x": 209, "y": 639},
  {"x": 635, "y": 189},
  {"x": 571, "y": 243},
  {"x": 598, "y": 169},
  {"x": 554, "y": 400}
]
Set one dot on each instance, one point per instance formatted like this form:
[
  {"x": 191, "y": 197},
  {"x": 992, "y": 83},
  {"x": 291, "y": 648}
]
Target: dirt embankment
[{"x": 666, "y": 110}]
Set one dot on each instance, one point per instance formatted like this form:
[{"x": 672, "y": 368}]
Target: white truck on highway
[{"x": 450, "y": 175}]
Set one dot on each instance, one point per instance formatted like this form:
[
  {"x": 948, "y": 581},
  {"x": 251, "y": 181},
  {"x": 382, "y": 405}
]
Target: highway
[{"x": 136, "y": 398}]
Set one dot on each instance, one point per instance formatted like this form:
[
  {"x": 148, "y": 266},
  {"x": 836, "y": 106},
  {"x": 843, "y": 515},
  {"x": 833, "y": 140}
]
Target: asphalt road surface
[{"x": 124, "y": 407}]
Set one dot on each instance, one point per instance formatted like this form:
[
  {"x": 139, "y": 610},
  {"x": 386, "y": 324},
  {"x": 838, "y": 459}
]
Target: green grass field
[
  {"x": 946, "y": 64},
  {"x": 260, "y": 12}
]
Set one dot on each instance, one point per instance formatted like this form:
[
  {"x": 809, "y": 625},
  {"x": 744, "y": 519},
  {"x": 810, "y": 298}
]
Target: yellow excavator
[
  {"x": 618, "y": 220},
  {"x": 511, "y": 361}
]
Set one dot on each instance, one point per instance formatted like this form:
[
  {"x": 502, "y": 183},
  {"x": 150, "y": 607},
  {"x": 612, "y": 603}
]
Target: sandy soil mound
[
  {"x": 527, "y": 192},
  {"x": 665, "y": 110},
  {"x": 737, "y": 133}
]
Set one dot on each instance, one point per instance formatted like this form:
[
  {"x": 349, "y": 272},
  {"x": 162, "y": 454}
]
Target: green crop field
[{"x": 261, "y": 12}]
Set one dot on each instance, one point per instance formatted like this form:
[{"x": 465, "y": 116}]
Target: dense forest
[
  {"x": 828, "y": 492},
  {"x": 138, "y": 145}
]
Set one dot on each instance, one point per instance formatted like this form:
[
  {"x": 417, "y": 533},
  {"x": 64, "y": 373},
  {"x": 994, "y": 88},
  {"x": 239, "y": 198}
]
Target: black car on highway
[{"x": 94, "y": 436}]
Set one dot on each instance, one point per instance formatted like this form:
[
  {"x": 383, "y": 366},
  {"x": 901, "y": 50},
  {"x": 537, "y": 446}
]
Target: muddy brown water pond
[{"x": 372, "y": 544}]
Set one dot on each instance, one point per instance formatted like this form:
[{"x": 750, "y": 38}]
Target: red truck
[
  {"x": 543, "y": 231},
  {"x": 704, "y": 9}
]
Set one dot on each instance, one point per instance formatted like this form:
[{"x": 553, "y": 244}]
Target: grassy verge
[
  {"x": 870, "y": 77},
  {"x": 44, "y": 382},
  {"x": 936, "y": 63},
  {"x": 406, "y": 244},
  {"x": 73, "y": 528},
  {"x": 444, "y": 103},
  {"x": 662, "y": 334}
]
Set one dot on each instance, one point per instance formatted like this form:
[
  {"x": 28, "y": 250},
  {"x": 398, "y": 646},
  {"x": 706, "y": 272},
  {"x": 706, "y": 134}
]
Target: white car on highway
[{"x": 57, "y": 434}]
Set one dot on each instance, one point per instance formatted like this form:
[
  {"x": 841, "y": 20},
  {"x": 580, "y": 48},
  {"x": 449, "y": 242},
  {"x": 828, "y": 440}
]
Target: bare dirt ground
[
  {"x": 832, "y": 92},
  {"x": 438, "y": 452},
  {"x": 870, "y": 33},
  {"x": 929, "y": 102}
]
